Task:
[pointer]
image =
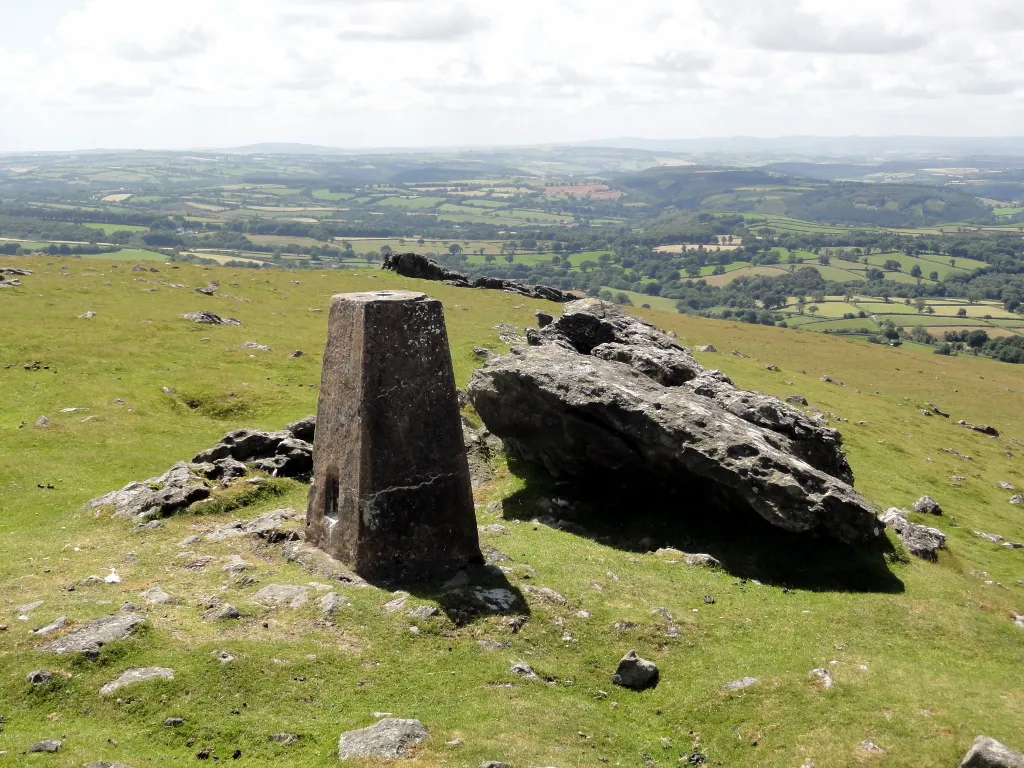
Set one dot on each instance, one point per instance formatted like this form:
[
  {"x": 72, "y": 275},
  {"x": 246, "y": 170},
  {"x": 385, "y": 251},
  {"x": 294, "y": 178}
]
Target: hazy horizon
[{"x": 412, "y": 74}]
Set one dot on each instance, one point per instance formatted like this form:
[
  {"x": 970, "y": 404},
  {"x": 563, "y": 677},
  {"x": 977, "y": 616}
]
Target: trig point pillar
[{"x": 391, "y": 494}]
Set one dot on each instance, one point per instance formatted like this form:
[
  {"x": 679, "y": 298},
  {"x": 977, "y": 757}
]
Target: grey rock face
[
  {"x": 209, "y": 318},
  {"x": 93, "y": 635},
  {"x": 523, "y": 670},
  {"x": 926, "y": 505},
  {"x": 635, "y": 673},
  {"x": 282, "y": 596},
  {"x": 796, "y": 400},
  {"x": 137, "y": 675},
  {"x": 389, "y": 738},
  {"x": 919, "y": 540},
  {"x": 175, "y": 490},
  {"x": 989, "y": 753},
  {"x": 1018, "y": 499},
  {"x": 586, "y": 419}
]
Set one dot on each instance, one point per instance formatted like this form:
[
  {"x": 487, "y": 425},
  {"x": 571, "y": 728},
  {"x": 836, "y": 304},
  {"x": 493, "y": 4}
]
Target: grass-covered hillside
[{"x": 925, "y": 656}]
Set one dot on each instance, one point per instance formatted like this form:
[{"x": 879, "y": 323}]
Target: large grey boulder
[
  {"x": 600, "y": 329},
  {"x": 989, "y": 753},
  {"x": 587, "y": 419},
  {"x": 388, "y": 739},
  {"x": 93, "y": 635},
  {"x": 921, "y": 541}
]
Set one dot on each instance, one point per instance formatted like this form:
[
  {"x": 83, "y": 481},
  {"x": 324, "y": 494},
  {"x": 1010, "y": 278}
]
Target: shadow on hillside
[
  {"x": 468, "y": 595},
  {"x": 747, "y": 545}
]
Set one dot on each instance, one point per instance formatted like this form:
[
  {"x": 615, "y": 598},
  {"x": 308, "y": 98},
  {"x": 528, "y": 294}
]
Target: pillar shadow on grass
[{"x": 639, "y": 517}]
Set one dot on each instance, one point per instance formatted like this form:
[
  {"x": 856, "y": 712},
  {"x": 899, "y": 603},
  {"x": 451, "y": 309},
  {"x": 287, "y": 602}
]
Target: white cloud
[{"x": 408, "y": 72}]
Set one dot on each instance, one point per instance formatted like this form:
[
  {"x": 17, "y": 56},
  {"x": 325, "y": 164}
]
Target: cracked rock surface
[{"x": 586, "y": 419}]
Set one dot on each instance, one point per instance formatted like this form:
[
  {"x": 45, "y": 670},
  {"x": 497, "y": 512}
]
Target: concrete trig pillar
[{"x": 391, "y": 494}]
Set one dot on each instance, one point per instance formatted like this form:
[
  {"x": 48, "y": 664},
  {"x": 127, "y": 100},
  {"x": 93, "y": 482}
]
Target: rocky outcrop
[
  {"x": 279, "y": 454},
  {"x": 420, "y": 267},
  {"x": 598, "y": 421}
]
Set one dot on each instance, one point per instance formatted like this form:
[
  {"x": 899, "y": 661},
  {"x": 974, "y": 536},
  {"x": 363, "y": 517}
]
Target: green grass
[
  {"x": 942, "y": 656},
  {"x": 130, "y": 254},
  {"x": 108, "y": 228}
]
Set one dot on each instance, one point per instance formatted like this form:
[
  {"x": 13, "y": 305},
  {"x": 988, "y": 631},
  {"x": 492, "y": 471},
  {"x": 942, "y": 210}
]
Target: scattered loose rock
[
  {"x": 389, "y": 738},
  {"x": 635, "y": 673},
  {"x": 822, "y": 677},
  {"x": 706, "y": 348},
  {"x": 254, "y": 345},
  {"x": 226, "y": 611},
  {"x": 137, "y": 675},
  {"x": 523, "y": 670},
  {"x": 926, "y": 505},
  {"x": 209, "y": 318},
  {"x": 48, "y": 746},
  {"x": 1018, "y": 499}
]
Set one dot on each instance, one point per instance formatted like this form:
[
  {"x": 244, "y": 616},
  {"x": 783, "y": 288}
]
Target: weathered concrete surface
[{"x": 391, "y": 495}]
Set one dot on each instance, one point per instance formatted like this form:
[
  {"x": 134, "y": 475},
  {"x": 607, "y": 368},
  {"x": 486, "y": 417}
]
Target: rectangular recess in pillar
[{"x": 391, "y": 495}]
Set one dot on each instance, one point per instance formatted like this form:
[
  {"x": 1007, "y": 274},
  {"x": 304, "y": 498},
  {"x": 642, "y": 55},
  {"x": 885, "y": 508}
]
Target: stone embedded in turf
[
  {"x": 137, "y": 675},
  {"x": 391, "y": 495},
  {"x": 90, "y": 637},
  {"x": 388, "y": 739}
]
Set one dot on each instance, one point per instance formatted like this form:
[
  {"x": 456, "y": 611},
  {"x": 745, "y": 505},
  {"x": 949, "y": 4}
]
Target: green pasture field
[
  {"x": 107, "y": 229},
  {"x": 412, "y": 203},
  {"x": 925, "y": 656}
]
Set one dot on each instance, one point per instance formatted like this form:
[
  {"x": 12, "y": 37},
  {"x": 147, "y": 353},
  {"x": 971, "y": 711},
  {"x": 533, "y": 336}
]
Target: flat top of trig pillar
[{"x": 377, "y": 296}]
